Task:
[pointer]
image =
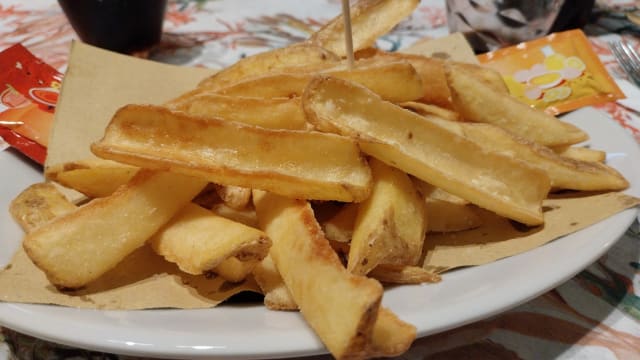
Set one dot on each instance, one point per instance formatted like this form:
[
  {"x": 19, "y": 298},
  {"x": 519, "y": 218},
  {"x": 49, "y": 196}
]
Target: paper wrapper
[{"x": 98, "y": 82}]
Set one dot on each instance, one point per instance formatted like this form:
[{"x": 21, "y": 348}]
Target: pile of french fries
[{"x": 317, "y": 179}]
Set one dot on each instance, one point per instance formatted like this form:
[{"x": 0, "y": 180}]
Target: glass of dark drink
[{"x": 125, "y": 26}]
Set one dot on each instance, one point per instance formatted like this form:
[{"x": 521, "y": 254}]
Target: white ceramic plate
[{"x": 250, "y": 331}]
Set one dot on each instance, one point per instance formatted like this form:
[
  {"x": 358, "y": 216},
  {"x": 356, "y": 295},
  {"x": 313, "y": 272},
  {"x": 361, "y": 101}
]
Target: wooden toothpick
[{"x": 348, "y": 36}]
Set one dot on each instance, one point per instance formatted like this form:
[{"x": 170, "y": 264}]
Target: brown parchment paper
[{"x": 498, "y": 237}]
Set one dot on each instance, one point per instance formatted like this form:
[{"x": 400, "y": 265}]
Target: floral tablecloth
[{"x": 595, "y": 315}]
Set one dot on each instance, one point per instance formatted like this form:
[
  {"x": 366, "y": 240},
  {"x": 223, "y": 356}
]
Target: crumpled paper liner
[
  {"x": 143, "y": 280},
  {"x": 498, "y": 237}
]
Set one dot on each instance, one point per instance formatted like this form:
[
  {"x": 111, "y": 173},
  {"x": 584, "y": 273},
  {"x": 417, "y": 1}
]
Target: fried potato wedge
[
  {"x": 246, "y": 215},
  {"x": 276, "y": 294},
  {"x": 234, "y": 270},
  {"x": 269, "y": 61},
  {"x": 299, "y": 164},
  {"x": 339, "y": 306},
  {"x": 391, "y": 223},
  {"x": 234, "y": 196},
  {"x": 427, "y": 150},
  {"x": 427, "y": 109},
  {"x": 431, "y": 71},
  {"x": 403, "y": 274},
  {"x": 76, "y": 248},
  {"x": 273, "y": 113},
  {"x": 38, "y": 204},
  {"x": 370, "y": 19},
  {"x": 339, "y": 228},
  {"x": 564, "y": 173},
  {"x": 580, "y": 153},
  {"x": 476, "y": 101},
  {"x": 391, "y": 336},
  {"x": 444, "y": 216},
  {"x": 446, "y": 212},
  {"x": 92, "y": 177},
  {"x": 395, "y": 81},
  {"x": 198, "y": 240}
]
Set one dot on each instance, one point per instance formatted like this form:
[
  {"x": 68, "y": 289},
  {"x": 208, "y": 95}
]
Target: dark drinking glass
[{"x": 125, "y": 26}]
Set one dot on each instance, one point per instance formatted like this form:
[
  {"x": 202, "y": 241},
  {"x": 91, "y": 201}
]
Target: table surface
[{"x": 594, "y": 315}]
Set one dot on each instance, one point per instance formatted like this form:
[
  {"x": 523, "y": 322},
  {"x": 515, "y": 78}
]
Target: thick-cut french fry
[
  {"x": 487, "y": 76},
  {"x": 391, "y": 336},
  {"x": 269, "y": 61},
  {"x": 276, "y": 294},
  {"x": 340, "y": 227},
  {"x": 427, "y": 150},
  {"x": 235, "y": 196},
  {"x": 399, "y": 274},
  {"x": 92, "y": 177},
  {"x": 395, "y": 81},
  {"x": 580, "y": 153},
  {"x": 274, "y": 113},
  {"x": 426, "y": 109},
  {"x": 341, "y": 307},
  {"x": 78, "y": 247},
  {"x": 37, "y": 205},
  {"x": 369, "y": 20},
  {"x": 446, "y": 212},
  {"x": 299, "y": 164},
  {"x": 431, "y": 71},
  {"x": 563, "y": 172},
  {"x": 476, "y": 101},
  {"x": 234, "y": 270},
  {"x": 198, "y": 240},
  {"x": 246, "y": 215},
  {"x": 391, "y": 223}
]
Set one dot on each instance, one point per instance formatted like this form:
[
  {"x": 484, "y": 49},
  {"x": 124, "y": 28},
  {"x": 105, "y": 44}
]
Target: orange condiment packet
[
  {"x": 556, "y": 73},
  {"x": 29, "y": 90}
]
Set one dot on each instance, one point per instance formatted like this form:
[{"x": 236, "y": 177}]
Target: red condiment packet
[
  {"x": 29, "y": 90},
  {"x": 556, "y": 73}
]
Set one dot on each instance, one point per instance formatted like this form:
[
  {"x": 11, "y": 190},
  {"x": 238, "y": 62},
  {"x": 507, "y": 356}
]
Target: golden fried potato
[
  {"x": 428, "y": 150},
  {"x": 390, "y": 224},
  {"x": 299, "y": 164},
  {"x": 91, "y": 177},
  {"x": 269, "y": 61},
  {"x": 370, "y": 19},
  {"x": 198, "y": 240},
  {"x": 403, "y": 274},
  {"x": 476, "y": 101},
  {"x": 76, "y": 248},
  {"x": 38, "y": 204},
  {"x": 580, "y": 153},
  {"x": 340, "y": 307}
]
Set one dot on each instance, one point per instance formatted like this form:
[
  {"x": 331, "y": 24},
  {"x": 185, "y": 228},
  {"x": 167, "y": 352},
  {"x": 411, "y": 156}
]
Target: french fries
[
  {"x": 274, "y": 113},
  {"x": 300, "y": 164},
  {"x": 580, "y": 153},
  {"x": 395, "y": 80},
  {"x": 303, "y": 257},
  {"x": 428, "y": 150},
  {"x": 476, "y": 101},
  {"x": 39, "y": 204},
  {"x": 296, "y": 55},
  {"x": 198, "y": 240},
  {"x": 390, "y": 225},
  {"x": 91, "y": 177},
  {"x": 108, "y": 229},
  {"x": 369, "y": 20},
  {"x": 446, "y": 212}
]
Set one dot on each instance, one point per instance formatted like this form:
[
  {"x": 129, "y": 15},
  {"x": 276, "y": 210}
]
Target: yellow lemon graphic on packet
[{"x": 555, "y": 94}]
